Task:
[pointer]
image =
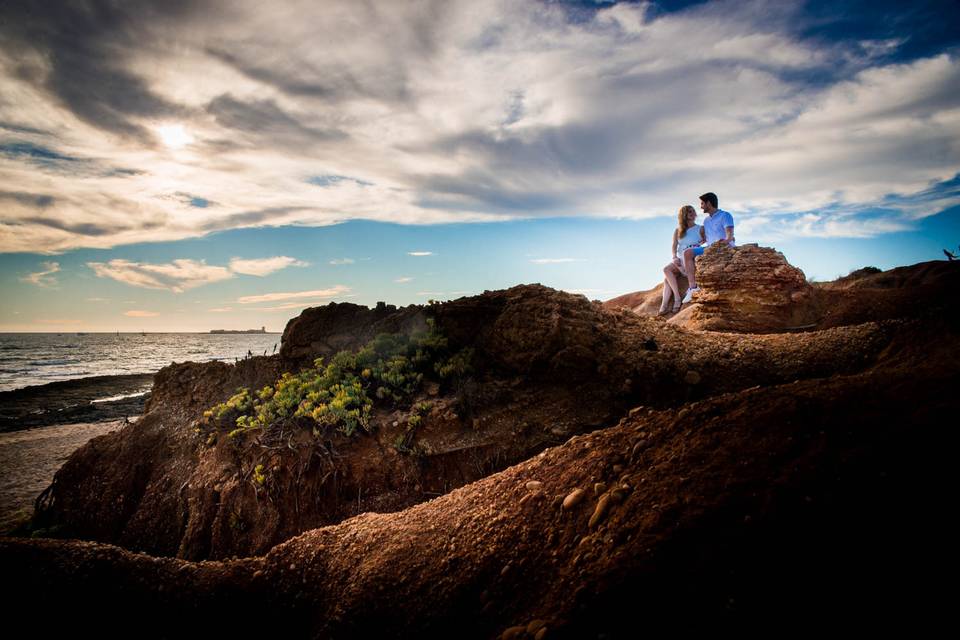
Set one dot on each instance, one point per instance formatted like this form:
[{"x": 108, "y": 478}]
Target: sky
[{"x": 185, "y": 166}]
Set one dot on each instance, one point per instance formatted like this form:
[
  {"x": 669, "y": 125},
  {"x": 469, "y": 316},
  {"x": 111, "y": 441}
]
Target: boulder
[{"x": 749, "y": 289}]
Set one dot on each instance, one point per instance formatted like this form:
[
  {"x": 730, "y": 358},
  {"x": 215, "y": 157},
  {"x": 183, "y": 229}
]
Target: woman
[{"x": 687, "y": 234}]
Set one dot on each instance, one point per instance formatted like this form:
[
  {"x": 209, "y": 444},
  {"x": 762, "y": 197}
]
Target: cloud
[
  {"x": 341, "y": 261},
  {"x": 183, "y": 274},
  {"x": 478, "y": 110},
  {"x": 45, "y": 277},
  {"x": 98, "y": 299},
  {"x": 264, "y": 266},
  {"x": 137, "y": 313},
  {"x": 420, "y": 253},
  {"x": 288, "y": 305},
  {"x": 403, "y": 279},
  {"x": 221, "y": 309},
  {"x": 333, "y": 291},
  {"x": 555, "y": 260},
  {"x": 177, "y": 276}
]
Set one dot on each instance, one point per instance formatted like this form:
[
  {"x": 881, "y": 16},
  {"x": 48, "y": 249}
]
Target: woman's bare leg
[
  {"x": 670, "y": 283},
  {"x": 689, "y": 261},
  {"x": 665, "y": 301}
]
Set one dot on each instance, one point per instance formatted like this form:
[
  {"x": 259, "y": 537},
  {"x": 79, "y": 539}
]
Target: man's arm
[{"x": 729, "y": 239}]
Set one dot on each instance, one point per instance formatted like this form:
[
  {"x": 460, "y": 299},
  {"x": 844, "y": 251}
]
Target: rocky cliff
[{"x": 598, "y": 470}]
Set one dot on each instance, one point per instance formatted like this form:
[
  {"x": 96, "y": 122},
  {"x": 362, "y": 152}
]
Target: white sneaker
[{"x": 687, "y": 298}]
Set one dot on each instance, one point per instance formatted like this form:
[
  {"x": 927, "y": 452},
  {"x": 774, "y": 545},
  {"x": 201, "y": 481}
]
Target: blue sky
[{"x": 169, "y": 167}]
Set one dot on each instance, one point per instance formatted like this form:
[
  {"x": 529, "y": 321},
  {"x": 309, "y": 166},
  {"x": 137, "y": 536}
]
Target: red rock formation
[
  {"x": 794, "y": 505},
  {"x": 548, "y": 365},
  {"x": 749, "y": 289}
]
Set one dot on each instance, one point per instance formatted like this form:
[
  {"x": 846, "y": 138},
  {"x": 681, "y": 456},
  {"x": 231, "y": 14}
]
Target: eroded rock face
[
  {"x": 323, "y": 331},
  {"x": 734, "y": 509},
  {"x": 762, "y": 469},
  {"x": 749, "y": 289}
]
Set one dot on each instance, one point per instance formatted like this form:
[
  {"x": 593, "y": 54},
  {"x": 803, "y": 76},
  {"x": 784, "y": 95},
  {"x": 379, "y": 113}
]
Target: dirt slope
[{"x": 653, "y": 478}]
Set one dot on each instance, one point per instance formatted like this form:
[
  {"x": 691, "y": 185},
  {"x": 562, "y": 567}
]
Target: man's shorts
[{"x": 698, "y": 251}]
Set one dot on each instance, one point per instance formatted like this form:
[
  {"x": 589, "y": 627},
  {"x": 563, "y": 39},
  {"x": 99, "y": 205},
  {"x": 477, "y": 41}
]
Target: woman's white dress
[{"x": 690, "y": 239}]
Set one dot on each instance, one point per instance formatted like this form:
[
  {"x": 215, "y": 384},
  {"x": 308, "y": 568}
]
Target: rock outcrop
[
  {"x": 800, "y": 504},
  {"x": 749, "y": 289},
  {"x": 344, "y": 326},
  {"x": 599, "y": 471}
]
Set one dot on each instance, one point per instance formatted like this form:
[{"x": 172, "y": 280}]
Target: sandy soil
[{"x": 30, "y": 458}]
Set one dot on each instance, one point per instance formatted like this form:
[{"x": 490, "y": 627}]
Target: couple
[{"x": 689, "y": 240}]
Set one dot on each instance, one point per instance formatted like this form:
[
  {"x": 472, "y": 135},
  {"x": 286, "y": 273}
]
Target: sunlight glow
[{"x": 174, "y": 135}]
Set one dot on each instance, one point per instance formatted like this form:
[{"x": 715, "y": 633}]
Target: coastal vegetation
[{"x": 341, "y": 394}]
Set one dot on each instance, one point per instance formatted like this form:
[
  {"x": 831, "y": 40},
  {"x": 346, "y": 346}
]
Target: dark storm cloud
[
  {"x": 283, "y": 81},
  {"x": 248, "y": 218},
  {"x": 92, "y": 229},
  {"x": 15, "y": 128},
  {"x": 36, "y": 153},
  {"x": 265, "y": 120},
  {"x": 59, "y": 163},
  {"x": 32, "y": 200},
  {"x": 85, "y": 45},
  {"x": 474, "y": 191},
  {"x": 83, "y": 228},
  {"x": 328, "y": 84}
]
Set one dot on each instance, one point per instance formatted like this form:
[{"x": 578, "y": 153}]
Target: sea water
[{"x": 28, "y": 359}]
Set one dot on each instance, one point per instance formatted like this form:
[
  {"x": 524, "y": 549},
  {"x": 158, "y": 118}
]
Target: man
[{"x": 717, "y": 227}]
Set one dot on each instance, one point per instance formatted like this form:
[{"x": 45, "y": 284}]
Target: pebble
[
  {"x": 618, "y": 495},
  {"x": 603, "y": 505},
  {"x": 513, "y": 633},
  {"x": 598, "y": 488},
  {"x": 640, "y": 446},
  {"x": 534, "y": 485},
  {"x": 618, "y": 468},
  {"x": 574, "y": 498},
  {"x": 541, "y": 634},
  {"x": 535, "y": 625}
]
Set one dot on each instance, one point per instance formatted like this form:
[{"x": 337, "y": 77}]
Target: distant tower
[{"x": 263, "y": 329}]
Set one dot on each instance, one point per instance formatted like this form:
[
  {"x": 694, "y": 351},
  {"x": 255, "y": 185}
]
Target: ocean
[{"x": 28, "y": 359}]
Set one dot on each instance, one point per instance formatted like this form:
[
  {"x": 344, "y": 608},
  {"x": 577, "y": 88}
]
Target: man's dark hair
[{"x": 710, "y": 197}]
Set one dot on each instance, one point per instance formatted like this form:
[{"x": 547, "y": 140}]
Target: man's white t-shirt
[{"x": 715, "y": 226}]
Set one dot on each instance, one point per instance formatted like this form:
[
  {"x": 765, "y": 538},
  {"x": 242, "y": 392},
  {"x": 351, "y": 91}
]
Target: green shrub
[{"x": 341, "y": 395}]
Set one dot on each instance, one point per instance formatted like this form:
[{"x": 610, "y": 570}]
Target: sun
[{"x": 174, "y": 135}]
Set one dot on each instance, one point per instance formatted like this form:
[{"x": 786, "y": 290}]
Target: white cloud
[
  {"x": 98, "y": 299},
  {"x": 45, "y": 277},
  {"x": 333, "y": 291},
  {"x": 487, "y": 110},
  {"x": 341, "y": 261},
  {"x": 420, "y": 253},
  {"x": 221, "y": 309},
  {"x": 403, "y": 279},
  {"x": 288, "y": 305},
  {"x": 177, "y": 276},
  {"x": 137, "y": 313},
  {"x": 554, "y": 260},
  {"x": 264, "y": 266}
]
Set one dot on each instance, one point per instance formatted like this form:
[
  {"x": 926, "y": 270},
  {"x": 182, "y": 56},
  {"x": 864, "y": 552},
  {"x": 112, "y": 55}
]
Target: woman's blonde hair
[{"x": 682, "y": 224}]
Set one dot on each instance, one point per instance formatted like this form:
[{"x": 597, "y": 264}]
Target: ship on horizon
[{"x": 260, "y": 330}]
